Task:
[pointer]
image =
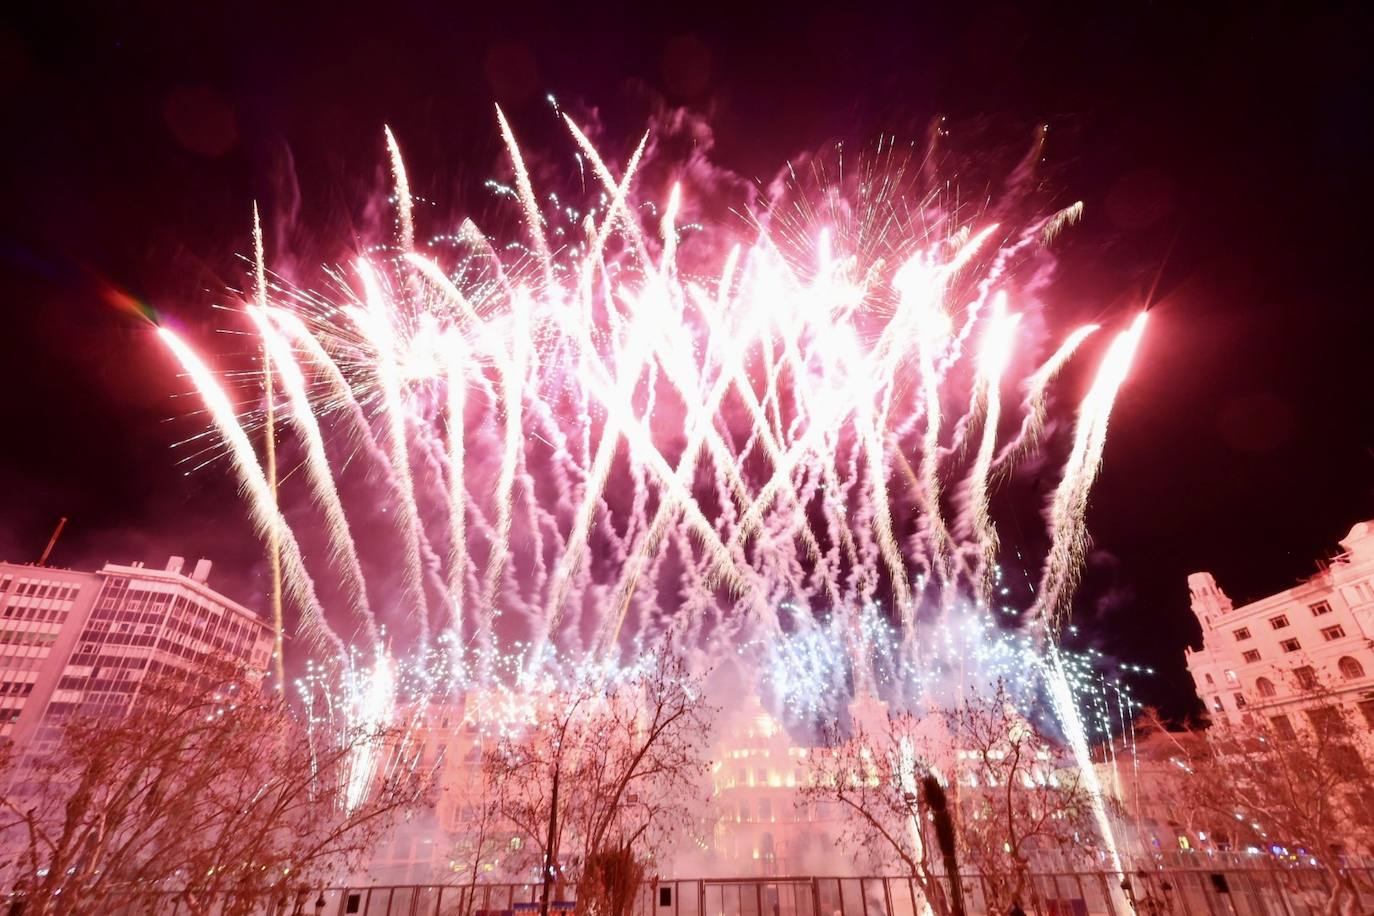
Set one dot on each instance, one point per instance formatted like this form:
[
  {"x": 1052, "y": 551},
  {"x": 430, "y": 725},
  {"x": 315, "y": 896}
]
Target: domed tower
[
  {"x": 1209, "y": 602},
  {"x": 1208, "y": 664}
]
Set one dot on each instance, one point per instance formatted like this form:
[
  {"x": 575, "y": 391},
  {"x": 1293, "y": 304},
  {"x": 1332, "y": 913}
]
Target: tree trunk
[
  {"x": 1344, "y": 897},
  {"x": 550, "y": 854}
]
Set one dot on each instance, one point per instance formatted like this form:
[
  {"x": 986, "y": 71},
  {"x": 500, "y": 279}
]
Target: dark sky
[{"x": 1222, "y": 151}]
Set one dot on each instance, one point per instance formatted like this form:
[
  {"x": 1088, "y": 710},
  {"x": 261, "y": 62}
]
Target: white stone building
[
  {"x": 1265, "y": 658},
  {"x": 86, "y": 641}
]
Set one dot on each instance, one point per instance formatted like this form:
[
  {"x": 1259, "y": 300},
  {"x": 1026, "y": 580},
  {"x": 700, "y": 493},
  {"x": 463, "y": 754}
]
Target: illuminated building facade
[
  {"x": 1266, "y": 658},
  {"x": 86, "y": 641},
  {"x": 763, "y": 824}
]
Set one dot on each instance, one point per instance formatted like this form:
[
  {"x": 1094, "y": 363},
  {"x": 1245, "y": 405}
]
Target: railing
[{"x": 1230, "y": 892}]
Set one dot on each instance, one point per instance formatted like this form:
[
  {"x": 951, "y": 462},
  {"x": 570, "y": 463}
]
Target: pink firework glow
[{"x": 625, "y": 422}]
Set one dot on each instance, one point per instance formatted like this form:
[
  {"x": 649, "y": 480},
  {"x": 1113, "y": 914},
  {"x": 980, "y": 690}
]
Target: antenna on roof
[{"x": 56, "y": 533}]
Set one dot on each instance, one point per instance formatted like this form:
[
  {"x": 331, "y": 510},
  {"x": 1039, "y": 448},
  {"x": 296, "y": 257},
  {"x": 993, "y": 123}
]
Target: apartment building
[{"x": 73, "y": 640}]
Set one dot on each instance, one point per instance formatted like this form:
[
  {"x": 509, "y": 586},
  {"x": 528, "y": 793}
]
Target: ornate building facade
[{"x": 1268, "y": 657}]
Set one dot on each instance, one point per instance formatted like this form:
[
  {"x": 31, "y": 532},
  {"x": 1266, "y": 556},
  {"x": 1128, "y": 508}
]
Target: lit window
[
  {"x": 1240, "y": 700},
  {"x": 1230, "y": 676},
  {"x": 1242, "y": 633},
  {"x": 1330, "y": 633},
  {"x": 1217, "y": 704},
  {"x": 1290, "y": 645},
  {"x": 1350, "y": 668},
  {"x": 1320, "y": 608},
  {"x": 1251, "y": 656},
  {"x": 1279, "y": 622}
]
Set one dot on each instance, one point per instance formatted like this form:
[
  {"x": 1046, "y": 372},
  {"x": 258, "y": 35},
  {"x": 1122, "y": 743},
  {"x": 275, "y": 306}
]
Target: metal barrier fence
[{"x": 1232, "y": 892}]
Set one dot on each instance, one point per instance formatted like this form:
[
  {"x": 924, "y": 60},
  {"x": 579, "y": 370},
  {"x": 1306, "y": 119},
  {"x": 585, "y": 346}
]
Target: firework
[{"x": 625, "y": 422}]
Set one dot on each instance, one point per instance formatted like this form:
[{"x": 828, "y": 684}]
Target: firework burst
[{"x": 626, "y": 422}]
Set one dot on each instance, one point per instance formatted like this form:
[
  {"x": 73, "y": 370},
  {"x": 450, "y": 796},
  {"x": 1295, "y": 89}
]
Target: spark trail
[
  {"x": 263, "y": 506},
  {"x": 625, "y": 419},
  {"x": 992, "y": 362}
]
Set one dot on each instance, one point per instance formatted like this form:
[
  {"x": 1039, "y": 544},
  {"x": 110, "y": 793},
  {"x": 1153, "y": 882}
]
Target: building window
[
  {"x": 1290, "y": 645},
  {"x": 1279, "y": 622},
  {"x": 1283, "y": 728},
  {"x": 1240, "y": 700},
  {"x": 1367, "y": 710},
  {"x": 1208, "y": 675},
  {"x": 1230, "y": 676},
  {"x": 1307, "y": 678},
  {"x": 1350, "y": 668},
  {"x": 1330, "y": 633},
  {"x": 1217, "y": 704},
  {"x": 1242, "y": 633},
  {"x": 1251, "y": 656},
  {"x": 1320, "y": 608},
  {"x": 1265, "y": 687}
]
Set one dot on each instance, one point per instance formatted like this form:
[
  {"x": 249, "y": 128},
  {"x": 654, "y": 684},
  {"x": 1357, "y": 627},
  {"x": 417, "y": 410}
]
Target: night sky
[{"x": 1223, "y": 157}]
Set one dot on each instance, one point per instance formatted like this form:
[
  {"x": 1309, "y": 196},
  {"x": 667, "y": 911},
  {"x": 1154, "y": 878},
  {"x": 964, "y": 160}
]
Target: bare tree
[
  {"x": 608, "y": 769},
  {"x": 207, "y": 790},
  {"x": 525, "y": 771},
  {"x": 1007, "y": 796},
  {"x": 1153, "y": 765},
  {"x": 1015, "y": 800},
  {"x": 1298, "y": 777},
  {"x": 481, "y": 837},
  {"x": 873, "y": 773}
]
